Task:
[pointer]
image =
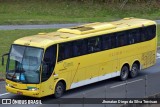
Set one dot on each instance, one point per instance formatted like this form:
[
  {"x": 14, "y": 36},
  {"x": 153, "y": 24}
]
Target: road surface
[{"x": 46, "y": 26}]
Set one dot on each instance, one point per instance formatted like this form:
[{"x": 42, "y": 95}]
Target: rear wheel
[
  {"x": 124, "y": 73},
  {"x": 59, "y": 90},
  {"x": 134, "y": 71}
]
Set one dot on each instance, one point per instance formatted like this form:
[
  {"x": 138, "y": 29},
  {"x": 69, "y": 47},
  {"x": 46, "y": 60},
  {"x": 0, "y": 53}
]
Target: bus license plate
[{"x": 20, "y": 93}]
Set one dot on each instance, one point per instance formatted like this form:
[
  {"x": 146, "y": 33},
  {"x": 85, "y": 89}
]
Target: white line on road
[
  {"x": 126, "y": 83},
  {"x": 158, "y": 55},
  {"x": 4, "y": 94},
  {"x": 117, "y": 85},
  {"x": 134, "y": 81}
]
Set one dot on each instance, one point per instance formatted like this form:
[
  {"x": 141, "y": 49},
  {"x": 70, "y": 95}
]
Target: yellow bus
[{"x": 51, "y": 63}]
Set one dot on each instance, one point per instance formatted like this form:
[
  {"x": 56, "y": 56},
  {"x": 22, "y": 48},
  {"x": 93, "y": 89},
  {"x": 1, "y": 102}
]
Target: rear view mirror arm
[{"x": 6, "y": 54}]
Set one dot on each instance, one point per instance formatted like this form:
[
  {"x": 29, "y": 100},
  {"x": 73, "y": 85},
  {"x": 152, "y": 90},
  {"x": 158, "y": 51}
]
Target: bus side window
[
  {"x": 113, "y": 40},
  {"x": 49, "y": 62},
  {"x": 151, "y": 32},
  {"x": 79, "y": 48},
  {"x": 65, "y": 51},
  {"x": 122, "y": 39},
  {"x": 131, "y": 37},
  {"x": 61, "y": 52},
  {"x": 134, "y": 36},
  {"x": 143, "y": 34},
  {"x": 68, "y": 50},
  {"x": 153, "y": 28},
  {"x": 137, "y": 36},
  {"x": 94, "y": 44},
  {"x": 106, "y": 42}
]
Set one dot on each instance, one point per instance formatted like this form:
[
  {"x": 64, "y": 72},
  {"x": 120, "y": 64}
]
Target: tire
[
  {"x": 134, "y": 71},
  {"x": 59, "y": 90},
  {"x": 124, "y": 73}
]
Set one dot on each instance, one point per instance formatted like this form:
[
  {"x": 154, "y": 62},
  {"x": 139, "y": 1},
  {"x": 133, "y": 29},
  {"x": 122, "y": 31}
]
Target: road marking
[
  {"x": 118, "y": 85},
  {"x": 158, "y": 55},
  {"x": 134, "y": 81},
  {"x": 126, "y": 83},
  {"x": 4, "y": 94}
]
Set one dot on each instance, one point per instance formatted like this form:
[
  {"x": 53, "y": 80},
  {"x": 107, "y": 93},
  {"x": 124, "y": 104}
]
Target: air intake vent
[
  {"x": 82, "y": 28},
  {"x": 88, "y": 28}
]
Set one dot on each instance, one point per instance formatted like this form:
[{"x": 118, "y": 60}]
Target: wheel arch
[
  {"x": 138, "y": 63},
  {"x": 123, "y": 72},
  {"x": 60, "y": 80},
  {"x": 126, "y": 64}
]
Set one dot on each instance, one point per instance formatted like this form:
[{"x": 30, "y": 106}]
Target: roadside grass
[{"x": 68, "y": 11}]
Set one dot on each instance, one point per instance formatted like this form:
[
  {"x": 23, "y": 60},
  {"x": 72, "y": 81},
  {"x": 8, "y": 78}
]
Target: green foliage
[{"x": 67, "y": 11}]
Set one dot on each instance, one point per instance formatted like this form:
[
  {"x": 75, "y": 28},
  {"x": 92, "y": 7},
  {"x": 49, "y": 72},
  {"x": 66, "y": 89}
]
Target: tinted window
[
  {"x": 49, "y": 62},
  {"x": 143, "y": 34},
  {"x": 113, "y": 41},
  {"x": 150, "y": 32},
  {"x": 134, "y": 36},
  {"x": 109, "y": 41},
  {"x": 94, "y": 44},
  {"x": 79, "y": 47},
  {"x": 65, "y": 51},
  {"x": 122, "y": 39},
  {"x": 106, "y": 42}
]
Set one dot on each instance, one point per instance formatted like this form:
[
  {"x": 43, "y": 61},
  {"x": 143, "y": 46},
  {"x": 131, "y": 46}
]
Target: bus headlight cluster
[
  {"x": 8, "y": 85},
  {"x": 33, "y": 89}
]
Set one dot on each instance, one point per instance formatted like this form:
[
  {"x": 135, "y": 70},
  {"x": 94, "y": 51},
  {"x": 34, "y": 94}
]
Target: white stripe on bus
[{"x": 95, "y": 79}]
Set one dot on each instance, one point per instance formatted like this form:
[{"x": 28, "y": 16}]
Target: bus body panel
[{"x": 22, "y": 89}]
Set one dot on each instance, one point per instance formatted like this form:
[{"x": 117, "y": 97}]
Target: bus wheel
[
  {"x": 59, "y": 90},
  {"x": 124, "y": 73},
  {"x": 134, "y": 71}
]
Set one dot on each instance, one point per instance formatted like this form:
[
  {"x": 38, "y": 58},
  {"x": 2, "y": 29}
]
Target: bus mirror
[
  {"x": 2, "y": 61},
  {"x": 3, "y": 58}
]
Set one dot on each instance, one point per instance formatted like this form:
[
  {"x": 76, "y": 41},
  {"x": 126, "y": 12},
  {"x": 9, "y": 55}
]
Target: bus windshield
[{"x": 24, "y": 64}]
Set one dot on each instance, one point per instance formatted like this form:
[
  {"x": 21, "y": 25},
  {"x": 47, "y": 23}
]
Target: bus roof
[{"x": 44, "y": 40}]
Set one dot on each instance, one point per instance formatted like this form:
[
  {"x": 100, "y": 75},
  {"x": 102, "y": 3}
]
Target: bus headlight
[
  {"x": 8, "y": 85},
  {"x": 33, "y": 89}
]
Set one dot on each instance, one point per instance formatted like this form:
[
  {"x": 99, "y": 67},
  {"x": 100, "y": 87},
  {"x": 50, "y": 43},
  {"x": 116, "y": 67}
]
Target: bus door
[{"x": 48, "y": 65}]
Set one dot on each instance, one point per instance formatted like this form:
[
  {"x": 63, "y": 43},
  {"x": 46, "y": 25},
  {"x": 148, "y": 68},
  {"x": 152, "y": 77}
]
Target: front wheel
[
  {"x": 59, "y": 90},
  {"x": 124, "y": 73},
  {"x": 134, "y": 71}
]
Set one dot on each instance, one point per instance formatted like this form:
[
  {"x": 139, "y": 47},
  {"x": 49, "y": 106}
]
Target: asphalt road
[
  {"x": 111, "y": 88},
  {"x": 47, "y": 26},
  {"x": 13, "y": 27}
]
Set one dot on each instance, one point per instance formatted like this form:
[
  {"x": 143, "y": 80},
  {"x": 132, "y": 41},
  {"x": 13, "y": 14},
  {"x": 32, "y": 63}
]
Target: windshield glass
[{"x": 24, "y": 64}]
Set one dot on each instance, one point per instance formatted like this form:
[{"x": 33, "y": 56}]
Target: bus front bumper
[{"x": 31, "y": 93}]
